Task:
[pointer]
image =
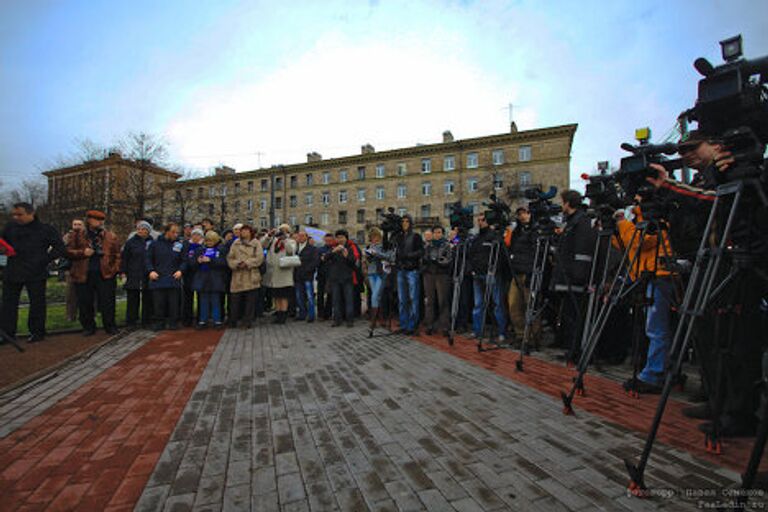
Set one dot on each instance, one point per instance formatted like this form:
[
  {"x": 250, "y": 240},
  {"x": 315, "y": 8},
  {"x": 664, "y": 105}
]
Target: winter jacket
[
  {"x": 250, "y": 253},
  {"x": 343, "y": 268},
  {"x": 574, "y": 252},
  {"x": 522, "y": 249},
  {"x": 648, "y": 250},
  {"x": 409, "y": 250},
  {"x": 277, "y": 277},
  {"x": 105, "y": 241},
  {"x": 36, "y": 245},
  {"x": 479, "y": 253},
  {"x": 438, "y": 257},
  {"x": 210, "y": 276},
  {"x": 377, "y": 259},
  {"x": 133, "y": 262},
  {"x": 165, "y": 257},
  {"x": 310, "y": 260}
]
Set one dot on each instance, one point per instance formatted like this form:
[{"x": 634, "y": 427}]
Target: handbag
[{"x": 289, "y": 261}]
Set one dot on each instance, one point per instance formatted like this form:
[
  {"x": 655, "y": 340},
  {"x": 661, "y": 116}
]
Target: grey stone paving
[
  {"x": 31, "y": 399},
  {"x": 301, "y": 417}
]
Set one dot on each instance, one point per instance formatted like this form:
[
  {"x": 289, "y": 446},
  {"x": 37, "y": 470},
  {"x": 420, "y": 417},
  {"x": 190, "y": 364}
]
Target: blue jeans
[
  {"x": 210, "y": 307},
  {"x": 658, "y": 330},
  {"x": 305, "y": 299},
  {"x": 408, "y": 282},
  {"x": 478, "y": 284},
  {"x": 376, "y": 283}
]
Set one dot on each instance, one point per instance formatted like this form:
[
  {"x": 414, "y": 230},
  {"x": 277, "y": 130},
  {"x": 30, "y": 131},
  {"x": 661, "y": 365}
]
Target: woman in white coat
[{"x": 279, "y": 279}]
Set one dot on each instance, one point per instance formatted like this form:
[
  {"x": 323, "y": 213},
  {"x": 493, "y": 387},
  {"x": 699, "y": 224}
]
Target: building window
[
  {"x": 263, "y": 204},
  {"x": 263, "y": 222},
  {"x": 250, "y": 205},
  {"x": 361, "y": 195},
  {"x": 278, "y": 203},
  {"x": 324, "y": 219},
  {"x": 524, "y": 153},
  {"x": 294, "y": 181},
  {"x": 450, "y": 188},
  {"x": 498, "y": 156},
  {"x": 342, "y": 217},
  {"x": 237, "y": 206},
  {"x": 426, "y": 165},
  {"x": 309, "y": 179},
  {"x": 448, "y": 209},
  {"x": 278, "y": 220},
  {"x": 200, "y": 192},
  {"x": 498, "y": 182},
  {"x": 426, "y": 188},
  {"x": 426, "y": 210},
  {"x": 308, "y": 199},
  {"x": 308, "y": 219},
  {"x": 224, "y": 191},
  {"x": 237, "y": 188},
  {"x": 402, "y": 211},
  {"x": 342, "y": 196},
  {"x": 211, "y": 209},
  {"x": 293, "y": 202},
  {"x": 449, "y": 163},
  {"x": 361, "y": 216},
  {"x": 326, "y": 178},
  {"x": 379, "y": 214},
  {"x": 402, "y": 169},
  {"x": 525, "y": 179},
  {"x": 343, "y": 176},
  {"x": 402, "y": 191},
  {"x": 250, "y": 186},
  {"x": 279, "y": 183},
  {"x": 264, "y": 185},
  {"x": 292, "y": 220},
  {"x": 380, "y": 193},
  {"x": 212, "y": 192},
  {"x": 472, "y": 161},
  {"x": 361, "y": 173},
  {"x": 381, "y": 171},
  {"x": 472, "y": 184},
  {"x": 326, "y": 198}
]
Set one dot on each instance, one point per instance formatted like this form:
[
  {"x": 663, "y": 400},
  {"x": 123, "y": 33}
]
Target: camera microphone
[{"x": 703, "y": 66}]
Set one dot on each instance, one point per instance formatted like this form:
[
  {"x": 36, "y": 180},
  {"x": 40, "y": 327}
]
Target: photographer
[
  {"x": 478, "y": 259},
  {"x": 409, "y": 250},
  {"x": 324, "y": 300},
  {"x": 35, "y": 245},
  {"x": 279, "y": 279},
  {"x": 521, "y": 243},
  {"x": 570, "y": 274},
  {"x": 436, "y": 269},
  {"x": 342, "y": 262},
  {"x": 95, "y": 256},
  {"x": 304, "y": 277},
  {"x": 377, "y": 269}
]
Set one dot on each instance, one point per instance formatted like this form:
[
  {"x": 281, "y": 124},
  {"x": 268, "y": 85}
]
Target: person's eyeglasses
[{"x": 687, "y": 148}]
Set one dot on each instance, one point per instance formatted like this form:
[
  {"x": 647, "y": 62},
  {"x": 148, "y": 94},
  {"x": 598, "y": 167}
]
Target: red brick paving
[
  {"x": 604, "y": 398},
  {"x": 96, "y": 449}
]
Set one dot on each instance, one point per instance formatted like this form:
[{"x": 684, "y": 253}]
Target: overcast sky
[{"x": 250, "y": 84}]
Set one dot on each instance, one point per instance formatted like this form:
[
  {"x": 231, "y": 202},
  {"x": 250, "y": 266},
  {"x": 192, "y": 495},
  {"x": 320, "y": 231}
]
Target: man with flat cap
[{"x": 95, "y": 256}]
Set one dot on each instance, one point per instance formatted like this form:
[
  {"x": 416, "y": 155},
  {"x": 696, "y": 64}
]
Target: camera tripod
[
  {"x": 535, "y": 306},
  {"x": 703, "y": 290},
  {"x": 459, "y": 267},
  {"x": 497, "y": 248}
]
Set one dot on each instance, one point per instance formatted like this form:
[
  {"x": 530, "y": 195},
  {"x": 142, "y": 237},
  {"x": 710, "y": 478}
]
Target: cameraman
[
  {"x": 409, "y": 249},
  {"x": 737, "y": 310},
  {"x": 478, "y": 259},
  {"x": 574, "y": 246},
  {"x": 521, "y": 243},
  {"x": 438, "y": 257}
]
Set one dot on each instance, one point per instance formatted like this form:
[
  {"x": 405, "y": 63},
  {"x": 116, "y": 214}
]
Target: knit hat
[
  {"x": 237, "y": 226},
  {"x": 143, "y": 225},
  {"x": 197, "y": 231},
  {"x": 212, "y": 236}
]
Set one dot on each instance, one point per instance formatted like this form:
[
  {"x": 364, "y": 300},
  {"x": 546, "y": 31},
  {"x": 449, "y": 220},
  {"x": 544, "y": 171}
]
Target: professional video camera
[
  {"x": 542, "y": 210},
  {"x": 391, "y": 222},
  {"x": 498, "y": 214},
  {"x": 636, "y": 168},
  {"x": 460, "y": 218},
  {"x": 732, "y": 104}
]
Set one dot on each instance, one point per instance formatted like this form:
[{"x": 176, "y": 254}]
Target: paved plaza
[{"x": 302, "y": 417}]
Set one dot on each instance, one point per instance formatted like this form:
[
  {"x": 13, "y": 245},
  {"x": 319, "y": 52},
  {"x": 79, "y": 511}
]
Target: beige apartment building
[{"x": 353, "y": 191}]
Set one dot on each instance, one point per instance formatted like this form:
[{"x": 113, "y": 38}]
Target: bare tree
[
  {"x": 147, "y": 150},
  {"x": 181, "y": 206}
]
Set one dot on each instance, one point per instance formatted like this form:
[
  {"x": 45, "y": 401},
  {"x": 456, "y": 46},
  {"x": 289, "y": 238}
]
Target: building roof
[
  {"x": 568, "y": 130},
  {"x": 112, "y": 159}
]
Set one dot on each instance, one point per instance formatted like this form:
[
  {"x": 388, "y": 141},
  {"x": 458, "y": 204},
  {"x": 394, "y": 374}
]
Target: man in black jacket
[
  {"x": 36, "y": 245},
  {"x": 166, "y": 263},
  {"x": 409, "y": 249},
  {"x": 324, "y": 299},
  {"x": 574, "y": 247},
  {"x": 437, "y": 265},
  {"x": 522, "y": 252},
  {"x": 134, "y": 267},
  {"x": 304, "y": 277},
  {"x": 478, "y": 259},
  {"x": 341, "y": 264}
]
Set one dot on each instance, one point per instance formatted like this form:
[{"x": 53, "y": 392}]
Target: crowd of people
[{"x": 191, "y": 275}]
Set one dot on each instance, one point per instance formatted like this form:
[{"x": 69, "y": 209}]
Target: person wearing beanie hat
[
  {"x": 133, "y": 265},
  {"x": 209, "y": 262}
]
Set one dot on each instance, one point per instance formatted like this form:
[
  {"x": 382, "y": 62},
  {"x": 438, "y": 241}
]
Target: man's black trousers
[
  {"x": 9, "y": 312},
  {"x": 96, "y": 291},
  {"x": 167, "y": 303},
  {"x": 138, "y": 299},
  {"x": 343, "y": 293}
]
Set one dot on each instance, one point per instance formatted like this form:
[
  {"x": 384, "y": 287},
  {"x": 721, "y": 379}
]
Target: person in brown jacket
[
  {"x": 95, "y": 256},
  {"x": 245, "y": 257}
]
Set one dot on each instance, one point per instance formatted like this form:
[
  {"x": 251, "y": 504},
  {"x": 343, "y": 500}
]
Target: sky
[{"x": 251, "y": 84}]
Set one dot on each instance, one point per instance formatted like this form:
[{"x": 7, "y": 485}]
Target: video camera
[
  {"x": 732, "y": 104},
  {"x": 498, "y": 214},
  {"x": 391, "y": 222},
  {"x": 542, "y": 210},
  {"x": 460, "y": 218},
  {"x": 635, "y": 169}
]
